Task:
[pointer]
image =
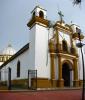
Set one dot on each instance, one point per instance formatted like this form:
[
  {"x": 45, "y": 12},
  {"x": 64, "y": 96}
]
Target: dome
[{"x": 9, "y": 50}]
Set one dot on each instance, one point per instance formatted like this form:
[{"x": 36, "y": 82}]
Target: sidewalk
[{"x": 42, "y": 95}]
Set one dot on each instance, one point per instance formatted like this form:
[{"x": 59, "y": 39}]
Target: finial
[{"x": 61, "y": 16}]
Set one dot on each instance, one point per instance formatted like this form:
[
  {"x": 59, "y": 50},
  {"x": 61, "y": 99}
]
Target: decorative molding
[
  {"x": 37, "y": 19},
  {"x": 75, "y": 36},
  {"x": 63, "y": 28},
  {"x": 67, "y": 56}
]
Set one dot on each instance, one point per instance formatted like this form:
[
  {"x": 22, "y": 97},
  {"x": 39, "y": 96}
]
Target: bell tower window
[{"x": 41, "y": 14}]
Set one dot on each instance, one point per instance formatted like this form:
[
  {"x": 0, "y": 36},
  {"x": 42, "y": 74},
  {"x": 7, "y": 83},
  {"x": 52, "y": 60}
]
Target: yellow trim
[
  {"x": 44, "y": 83},
  {"x": 52, "y": 55},
  {"x": 67, "y": 56},
  {"x": 60, "y": 68},
  {"x": 37, "y": 19},
  {"x": 57, "y": 36},
  {"x": 60, "y": 80},
  {"x": 41, "y": 82},
  {"x": 69, "y": 63},
  {"x": 75, "y": 36},
  {"x": 76, "y": 81},
  {"x": 64, "y": 28},
  {"x": 4, "y": 58}
]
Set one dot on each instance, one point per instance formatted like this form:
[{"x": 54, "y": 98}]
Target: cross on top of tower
[{"x": 61, "y": 16}]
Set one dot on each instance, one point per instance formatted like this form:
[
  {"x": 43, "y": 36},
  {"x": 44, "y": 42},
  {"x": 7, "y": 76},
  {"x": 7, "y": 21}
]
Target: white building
[{"x": 52, "y": 52}]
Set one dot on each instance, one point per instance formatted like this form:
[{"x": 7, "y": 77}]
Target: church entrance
[{"x": 66, "y": 72}]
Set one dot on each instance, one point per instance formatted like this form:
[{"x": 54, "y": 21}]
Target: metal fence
[
  {"x": 32, "y": 79},
  {"x": 7, "y": 83}
]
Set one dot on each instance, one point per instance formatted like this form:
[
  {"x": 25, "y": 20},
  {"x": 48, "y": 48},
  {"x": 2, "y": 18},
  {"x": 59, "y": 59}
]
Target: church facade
[{"x": 50, "y": 59}]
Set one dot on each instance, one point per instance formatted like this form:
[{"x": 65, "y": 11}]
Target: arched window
[
  {"x": 41, "y": 14},
  {"x": 18, "y": 69},
  {"x": 64, "y": 45}
]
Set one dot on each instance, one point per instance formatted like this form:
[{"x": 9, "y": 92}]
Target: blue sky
[{"x": 14, "y": 15}]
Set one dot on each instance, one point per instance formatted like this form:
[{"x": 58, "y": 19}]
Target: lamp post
[{"x": 80, "y": 45}]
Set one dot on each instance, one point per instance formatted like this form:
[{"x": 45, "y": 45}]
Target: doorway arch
[{"x": 66, "y": 74}]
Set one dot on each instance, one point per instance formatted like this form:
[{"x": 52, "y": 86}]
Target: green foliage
[{"x": 77, "y": 2}]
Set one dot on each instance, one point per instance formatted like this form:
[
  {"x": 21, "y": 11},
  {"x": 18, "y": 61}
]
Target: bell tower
[
  {"x": 38, "y": 16},
  {"x": 38, "y": 25}
]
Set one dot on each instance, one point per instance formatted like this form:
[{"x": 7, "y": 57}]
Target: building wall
[
  {"x": 25, "y": 64},
  {"x": 35, "y": 58},
  {"x": 41, "y": 51}
]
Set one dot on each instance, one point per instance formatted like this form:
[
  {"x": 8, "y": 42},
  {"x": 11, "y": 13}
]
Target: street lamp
[{"x": 80, "y": 45}]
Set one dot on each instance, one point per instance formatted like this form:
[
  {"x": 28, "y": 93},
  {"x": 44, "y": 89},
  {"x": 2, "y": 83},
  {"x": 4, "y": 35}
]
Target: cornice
[
  {"x": 65, "y": 28},
  {"x": 37, "y": 19}
]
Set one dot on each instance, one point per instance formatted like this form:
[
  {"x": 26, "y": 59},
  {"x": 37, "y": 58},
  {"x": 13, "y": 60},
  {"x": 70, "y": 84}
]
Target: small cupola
[
  {"x": 38, "y": 15},
  {"x": 9, "y": 50}
]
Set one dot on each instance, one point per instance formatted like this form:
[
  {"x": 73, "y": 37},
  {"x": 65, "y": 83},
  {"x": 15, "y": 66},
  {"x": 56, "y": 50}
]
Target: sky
[{"x": 15, "y": 14}]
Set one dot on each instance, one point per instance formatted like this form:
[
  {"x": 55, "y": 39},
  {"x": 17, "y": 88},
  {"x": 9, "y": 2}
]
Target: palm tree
[{"x": 77, "y": 2}]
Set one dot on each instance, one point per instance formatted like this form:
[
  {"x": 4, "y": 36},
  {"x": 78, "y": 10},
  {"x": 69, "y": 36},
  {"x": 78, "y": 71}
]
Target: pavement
[{"x": 65, "y": 94}]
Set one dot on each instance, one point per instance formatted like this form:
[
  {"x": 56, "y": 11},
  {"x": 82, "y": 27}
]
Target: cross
[{"x": 61, "y": 15}]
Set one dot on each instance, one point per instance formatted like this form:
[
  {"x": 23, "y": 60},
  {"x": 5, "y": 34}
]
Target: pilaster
[
  {"x": 53, "y": 81},
  {"x": 60, "y": 80},
  {"x": 76, "y": 81},
  {"x": 57, "y": 36}
]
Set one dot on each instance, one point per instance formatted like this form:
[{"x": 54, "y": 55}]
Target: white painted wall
[
  {"x": 37, "y": 56},
  {"x": 51, "y": 33},
  {"x": 41, "y": 50}
]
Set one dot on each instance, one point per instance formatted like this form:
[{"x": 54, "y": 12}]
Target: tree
[{"x": 77, "y": 2}]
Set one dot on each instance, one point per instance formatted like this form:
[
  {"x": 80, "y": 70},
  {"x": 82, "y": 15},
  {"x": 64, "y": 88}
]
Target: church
[{"x": 50, "y": 59}]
